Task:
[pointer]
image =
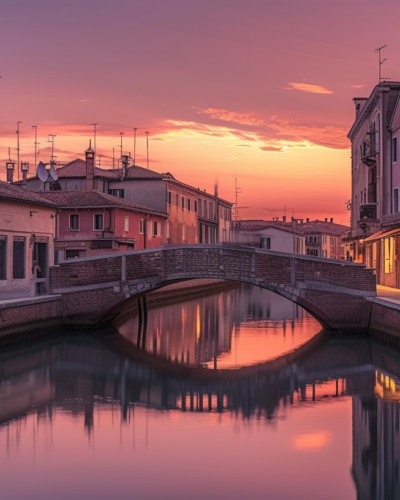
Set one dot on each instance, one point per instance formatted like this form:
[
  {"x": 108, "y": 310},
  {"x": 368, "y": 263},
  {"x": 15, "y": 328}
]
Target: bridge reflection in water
[{"x": 53, "y": 387}]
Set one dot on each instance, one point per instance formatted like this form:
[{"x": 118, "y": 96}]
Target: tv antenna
[
  {"x": 381, "y": 61},
  {"x": 51, "y": 140},
  {"x": 18, "y": 148},
  {"x": 238, "y": 190},
  {"x": 121, "y": 134},
  {"x": 134, "y": 146},
  {"x": 94, "y": 134},
  {"x": 35, "y": 143},
  {"x": 147, "y": 148}
]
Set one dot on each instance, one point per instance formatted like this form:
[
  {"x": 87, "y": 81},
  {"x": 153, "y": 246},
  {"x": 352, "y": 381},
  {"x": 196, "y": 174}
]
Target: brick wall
[{"x": 332, "y": 290}]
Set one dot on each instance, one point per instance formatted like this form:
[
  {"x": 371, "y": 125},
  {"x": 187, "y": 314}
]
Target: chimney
[
  {"x": 10, "y": 171},
  {"x": 284, "y": 219},
  {"x": 89, "y": 167},
  {"x": 24, "y": 170},
  {"x": 359, "y": 103},
  {"x": 125, "y": 163},
  {"x": 326, "y": 219},
  {"x": 308, "y": 219},
  {"x": 331, "y": 220}
]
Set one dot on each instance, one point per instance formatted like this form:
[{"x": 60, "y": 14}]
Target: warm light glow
[{"x": 313, "y": 441}]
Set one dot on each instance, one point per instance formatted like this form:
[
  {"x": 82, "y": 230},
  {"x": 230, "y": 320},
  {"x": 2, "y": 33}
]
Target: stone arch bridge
[{"x": 95, "y": 289}]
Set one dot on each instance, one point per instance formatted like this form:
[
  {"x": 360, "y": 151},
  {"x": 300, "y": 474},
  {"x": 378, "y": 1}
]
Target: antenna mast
[
  {"x": 35, "y": 144},
  {"x": 121, "y": 134},
  {"x": 18, "y": 148},
  {"x": 94, "y": 135},
  {"x": 147, "y": 148},
  {"x": 51, "y": 140},
  {"x": 381, "y": 62},
  {"x": 134, "y": 146}
]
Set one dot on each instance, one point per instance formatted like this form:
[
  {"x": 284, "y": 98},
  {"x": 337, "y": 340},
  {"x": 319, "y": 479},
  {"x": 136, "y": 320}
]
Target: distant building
[
  {"x": 317, "y": 238},
  {"x": 323, "y": 238},
  {"x": 280, "y": 236},
  {"x": 194, "y": 216},
  {"x": 27, "y": 227},
  {"x": 375, "y": 217},
  {"x": 91, "y": 223}
]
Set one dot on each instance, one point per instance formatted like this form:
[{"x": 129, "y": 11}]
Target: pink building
[{"x": 91, "y": 223}]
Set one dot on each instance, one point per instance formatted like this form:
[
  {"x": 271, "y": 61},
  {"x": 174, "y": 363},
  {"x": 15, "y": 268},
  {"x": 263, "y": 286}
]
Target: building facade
[
  {"x": 91, "y": 223},
  {"x": 27, "y": 228},
  {"x": 375, "y": 218}
]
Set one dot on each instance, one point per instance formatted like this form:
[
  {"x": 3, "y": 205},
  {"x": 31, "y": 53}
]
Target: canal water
[{"x": 230, "y": 396}]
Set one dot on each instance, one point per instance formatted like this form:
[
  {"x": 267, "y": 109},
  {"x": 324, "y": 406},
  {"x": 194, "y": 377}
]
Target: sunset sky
[{"x": 258, "y": 90}]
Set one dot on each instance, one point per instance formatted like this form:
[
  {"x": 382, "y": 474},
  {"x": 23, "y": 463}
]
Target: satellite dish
[
  {"x": 42, "y": 172},
  {"x": 53, "y": 173}
]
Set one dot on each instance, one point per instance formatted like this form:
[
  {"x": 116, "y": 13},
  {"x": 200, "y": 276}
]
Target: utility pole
[
  {"x": 147, "y": 148},
  {"x": 134, "y": 146},
  {"x": 35, "y": 143},
  {"x": 18, "y": 148},
  {"x": 94, "y": 134}
]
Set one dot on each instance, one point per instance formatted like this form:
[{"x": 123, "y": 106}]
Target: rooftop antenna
[
  {"x": 113, "y": 158},
  {"x": 121, "y": 134},
  {"x": 381, "y": 61},
  {"x": 134, "y": 146},
  {"x": 238, "y": 190},
  {"x": 51, "y": 140},
  {"x": 18, "y": 148},
  {"x": 147, "y": 148},
  {"x": 94, "y": 134},
  {"x": 35, "y": 143}
]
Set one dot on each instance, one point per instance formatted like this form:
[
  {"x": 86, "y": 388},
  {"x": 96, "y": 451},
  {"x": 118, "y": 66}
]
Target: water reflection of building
[
  {"x": 376, "y": 441},
  {"x": 195, "y": 331}
]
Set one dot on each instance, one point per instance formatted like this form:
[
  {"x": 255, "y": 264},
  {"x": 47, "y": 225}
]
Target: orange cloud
[
  {"x": 232, "y": 116},
  {"x": 307, "y": 87},
  {"x": 357, "y": 86}
]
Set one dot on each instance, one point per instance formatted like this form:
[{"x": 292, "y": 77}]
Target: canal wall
[
  {"x": 385, "y": 319},
  {"x": 24, "y": 318}
]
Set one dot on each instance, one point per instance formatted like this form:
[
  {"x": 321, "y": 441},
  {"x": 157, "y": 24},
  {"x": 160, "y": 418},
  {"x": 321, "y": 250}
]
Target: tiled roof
[
  {"x": 77, "y": 168},
  {"x": 321, "y": 227},
  {"x": 15, "y": 193},
  {"x": 90, "y": 198},
  {"x": 136, "y": 172}
]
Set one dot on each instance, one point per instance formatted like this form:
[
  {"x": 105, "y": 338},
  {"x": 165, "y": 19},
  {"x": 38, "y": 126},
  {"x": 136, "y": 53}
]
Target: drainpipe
[{"x": 145, "y": 233}]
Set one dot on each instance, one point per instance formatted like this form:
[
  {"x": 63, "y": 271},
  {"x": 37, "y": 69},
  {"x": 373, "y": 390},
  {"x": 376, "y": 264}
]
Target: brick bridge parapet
[{"x": 95, "y": 288}]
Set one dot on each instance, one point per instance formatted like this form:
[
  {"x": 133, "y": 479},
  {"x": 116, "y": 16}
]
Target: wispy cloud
[
  {"x": 307, "y": 87},
  {"x": 357, "y": 86},
  {"x": 232, "y": 116}
]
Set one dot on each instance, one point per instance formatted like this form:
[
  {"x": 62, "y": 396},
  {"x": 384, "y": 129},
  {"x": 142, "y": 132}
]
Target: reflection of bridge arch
[{"x": 96, "y": 288}]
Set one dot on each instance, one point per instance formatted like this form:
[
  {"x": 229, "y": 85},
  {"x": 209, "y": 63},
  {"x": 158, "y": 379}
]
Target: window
[
  {"x": 188, "y": 204},
  {"x": 119, "y": 193},
  {"x": 169, "y": 197},
  {"x": 177, "y": 200},
  {"x": 155, "y": 228},
  {"x": 388, "y": 255},
  {"x": 18, "y": 258},
  {"x": 205, "y": 210},
  {"x": 211, "y": 210},
  {"x": 265, "y": 243},
  {"x": 126, "y": 223},
  {"x": 394, "y": 149},
  {"x": 195, "y": 206},
  {"x": 98, "y": 222},
  {"x": 74, "y": 222},
  {"x": 141, "y": 226},
  {"x": 71, "y": 254},
  {"x": 183, "y": 203},
  {"x": 395, "y": 200},
  {"x": 3, "y": 257}
]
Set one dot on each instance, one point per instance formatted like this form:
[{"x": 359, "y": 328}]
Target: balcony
[
  {"x": 368, "y": 211},
  {"x": 369, "y": 148}
]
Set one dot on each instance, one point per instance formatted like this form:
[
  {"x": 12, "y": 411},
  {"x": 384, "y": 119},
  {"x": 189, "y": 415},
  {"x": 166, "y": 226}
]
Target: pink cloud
[{"x": 231, "y": 116}]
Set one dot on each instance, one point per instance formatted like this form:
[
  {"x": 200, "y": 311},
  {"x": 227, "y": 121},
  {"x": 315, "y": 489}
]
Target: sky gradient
[{"x": 256, "y": 90}]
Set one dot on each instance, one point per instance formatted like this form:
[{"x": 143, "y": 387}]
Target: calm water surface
[{"x": 236, "y": 395}]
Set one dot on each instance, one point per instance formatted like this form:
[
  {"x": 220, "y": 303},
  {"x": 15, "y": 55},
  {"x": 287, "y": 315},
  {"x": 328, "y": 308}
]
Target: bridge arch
[{"x": 94, "y": 288}]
